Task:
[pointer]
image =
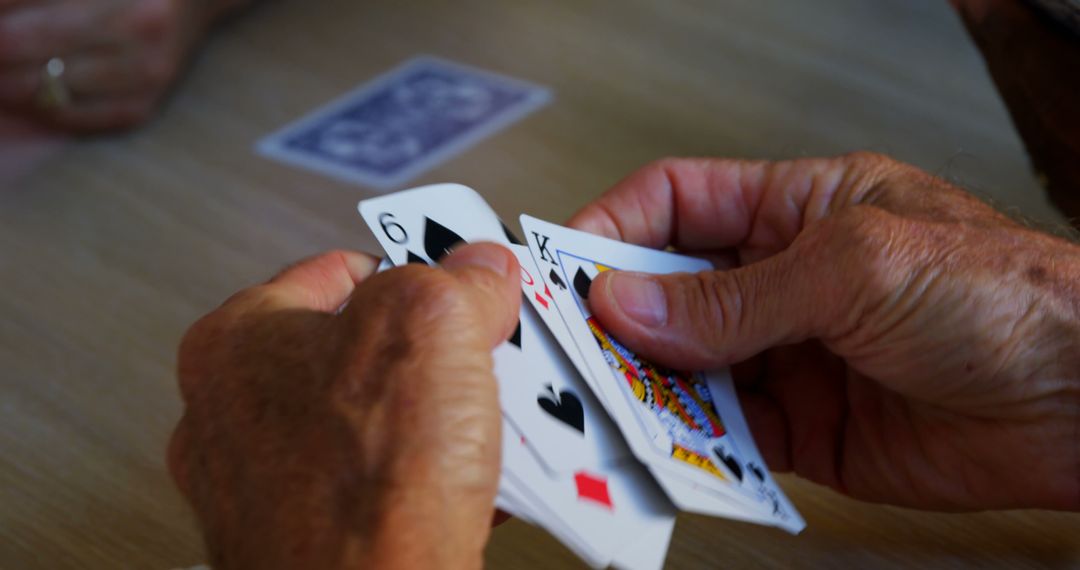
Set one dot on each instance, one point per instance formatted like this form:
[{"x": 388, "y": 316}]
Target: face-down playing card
[
  {"x": 404, "y": 122},
  {"x": 671, "y": 419}
]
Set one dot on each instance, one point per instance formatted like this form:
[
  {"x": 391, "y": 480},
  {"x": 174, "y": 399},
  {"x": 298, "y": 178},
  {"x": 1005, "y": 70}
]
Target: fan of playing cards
[{"x": 600, "y": 447}]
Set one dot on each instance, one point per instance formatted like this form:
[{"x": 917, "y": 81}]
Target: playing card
[
  {"x": 510, "y": 500},
  {"x": 548, "y": 401},
  {"x": 579, "y": 409},
  {"x": 421, "y": 225},
  {"x": 681, "y": 491},
  {"x": 594, "y": 512},
  {"x": 404, "y": 122},
  {"x": 544, "y": 396},
  {"x": 538, "y": 294},
  {"x": 383, "y": 265},
  {"x": 670, "y": 418},
  {"x": 648, "y": 550}
]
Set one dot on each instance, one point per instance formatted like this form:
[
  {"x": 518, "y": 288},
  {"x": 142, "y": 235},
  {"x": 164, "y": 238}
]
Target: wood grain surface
[{"x": 110, "y": 247}]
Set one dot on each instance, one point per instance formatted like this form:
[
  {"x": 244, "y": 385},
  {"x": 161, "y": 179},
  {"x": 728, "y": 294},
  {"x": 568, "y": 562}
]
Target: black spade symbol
[
  {"x": 515, "y": 339},
  {"x": 411, "y": 257},
  {"x": 438, "y": 240},
  {"x": 582, "y": 282},
  {"x": 510, "y": 235},
  {"x": 728, "y": 460},
  {"x": 757, "y": 471},
  {"x": 564, "y": 406},
  {"x": 557, "y": 280}
]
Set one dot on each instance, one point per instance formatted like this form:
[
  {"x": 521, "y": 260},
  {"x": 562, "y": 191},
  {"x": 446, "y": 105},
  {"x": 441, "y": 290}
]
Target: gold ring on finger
[{"x": 54, "y": 92}]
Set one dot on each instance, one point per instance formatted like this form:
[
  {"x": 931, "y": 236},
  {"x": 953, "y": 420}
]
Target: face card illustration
[
  {"x": 670, "y": 418},
  {"x": 756, "y": 471}
]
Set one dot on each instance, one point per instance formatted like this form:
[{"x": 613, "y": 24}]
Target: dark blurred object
[
  {"x": 98, "y": 65},
  {"x": 1066, "y": 12},
  {"x": 1036, "y": 65}
]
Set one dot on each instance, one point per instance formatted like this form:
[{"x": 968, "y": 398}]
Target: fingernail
[
  {"x": 482, "y": 255},
  {"x": 359, "y": 265},
  {"x": 640, "y": 297}
]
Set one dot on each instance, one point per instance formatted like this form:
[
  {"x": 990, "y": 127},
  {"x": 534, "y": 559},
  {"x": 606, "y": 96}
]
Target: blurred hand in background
[
  {"x": 93, "y": 65},
  {"x": 1033, "y": 54}
]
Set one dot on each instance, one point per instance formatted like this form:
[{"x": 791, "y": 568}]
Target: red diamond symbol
[
  {"x": 547, "y": 291},
  {"x": 593, "y": 488},
  {"x": 542, "y": 300}
]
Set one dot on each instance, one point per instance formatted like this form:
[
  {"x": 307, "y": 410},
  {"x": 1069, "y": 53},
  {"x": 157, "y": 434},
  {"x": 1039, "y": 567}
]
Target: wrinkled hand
[
  {"x": 366, "y": 439},
  {"x": 914, "y": 346},
  {"x": 121, "y": 56}
]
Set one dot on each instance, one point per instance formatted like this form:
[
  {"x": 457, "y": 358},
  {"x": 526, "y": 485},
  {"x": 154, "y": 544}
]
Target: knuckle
[
  {"x": 719, "y": 296},
  {"x": 436, "y": 294},
  {"x": 411, "y": 317},
  {"x": 863, "y": 232},
  {"x": 665, "y": 170},
  {"x": 243, "y": 298},
  {"x": 663, "y": 164},
  {"x": 864, "y": 244},
  {"x": 882, "y": 180},
  {"x": 422, "y": 297},
  {"x": 869, "y": 159}
]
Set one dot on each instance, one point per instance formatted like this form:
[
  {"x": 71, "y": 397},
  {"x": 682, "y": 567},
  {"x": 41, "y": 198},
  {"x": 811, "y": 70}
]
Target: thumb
[
  {"x": 704, "y": 320},
  {"x": 492, "y": 280}
]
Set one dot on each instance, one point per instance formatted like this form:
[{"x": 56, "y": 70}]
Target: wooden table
[{"x": 110, "y": 247}]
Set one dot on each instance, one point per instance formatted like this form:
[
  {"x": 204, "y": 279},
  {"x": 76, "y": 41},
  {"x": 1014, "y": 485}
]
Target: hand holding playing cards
[
  {"x": 119, "y": 56},
  {"x": 905, "y": 343},
  {"x": 365, "y": 439}
]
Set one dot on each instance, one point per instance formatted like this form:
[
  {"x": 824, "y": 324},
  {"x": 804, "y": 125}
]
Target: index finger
[
  {"x": 320, "y": 283},
  {"x": 757, "y": 207},
  {"x": 323, "y": 282}
]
